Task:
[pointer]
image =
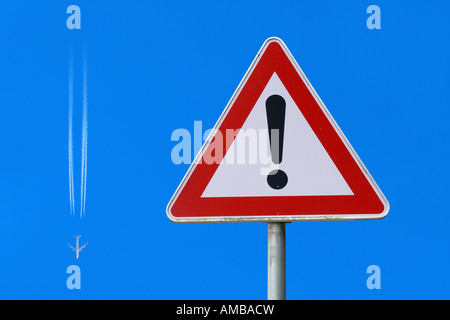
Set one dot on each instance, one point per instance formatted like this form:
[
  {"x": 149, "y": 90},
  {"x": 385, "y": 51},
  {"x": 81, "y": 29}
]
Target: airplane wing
[
  {"x": 72, "y": 248},
  {"x": 82, "y": 247}
]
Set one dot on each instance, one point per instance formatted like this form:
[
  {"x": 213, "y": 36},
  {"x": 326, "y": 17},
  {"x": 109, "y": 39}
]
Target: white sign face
[
  {"x": 310, "y": 170},
  {"x": 276, "y": 154}
]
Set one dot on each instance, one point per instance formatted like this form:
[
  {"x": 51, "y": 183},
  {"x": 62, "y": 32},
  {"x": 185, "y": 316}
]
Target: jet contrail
[
  {"x": 84, "y": 140},
  {"x": 84, "y": 137},
  {"x": 71, "y": 192}
]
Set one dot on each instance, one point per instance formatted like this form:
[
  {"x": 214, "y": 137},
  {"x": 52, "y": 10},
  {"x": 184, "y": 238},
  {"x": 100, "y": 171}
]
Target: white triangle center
[{"x": 244, "y": 169}]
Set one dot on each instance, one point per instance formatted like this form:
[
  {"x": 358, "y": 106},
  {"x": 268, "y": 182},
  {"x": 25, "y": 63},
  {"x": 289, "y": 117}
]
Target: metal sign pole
[{"x": 276, "y": 268}]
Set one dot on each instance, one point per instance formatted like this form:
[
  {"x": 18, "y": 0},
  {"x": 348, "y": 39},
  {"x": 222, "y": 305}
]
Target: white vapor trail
[
  {"x": 71, "y": 192},
  {"x": 84, "y": 140}
]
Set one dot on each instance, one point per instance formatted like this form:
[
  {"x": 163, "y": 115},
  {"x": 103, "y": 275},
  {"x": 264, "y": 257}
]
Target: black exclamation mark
[{"x": 276, "y": 112}]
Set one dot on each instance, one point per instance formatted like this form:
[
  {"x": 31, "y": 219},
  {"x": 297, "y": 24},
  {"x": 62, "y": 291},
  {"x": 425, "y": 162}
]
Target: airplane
[{"x": 78, "y": 248}]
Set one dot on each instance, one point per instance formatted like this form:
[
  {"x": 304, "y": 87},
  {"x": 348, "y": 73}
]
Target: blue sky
[{"x": 156, "y": 66}]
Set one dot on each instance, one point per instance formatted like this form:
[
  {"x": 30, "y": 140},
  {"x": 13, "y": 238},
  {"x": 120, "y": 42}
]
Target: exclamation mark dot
[{"x": 276, "y": 112}]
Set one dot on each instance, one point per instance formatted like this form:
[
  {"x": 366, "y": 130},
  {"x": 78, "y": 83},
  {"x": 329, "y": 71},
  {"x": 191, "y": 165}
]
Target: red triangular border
[{"x": 367, "y": 202}]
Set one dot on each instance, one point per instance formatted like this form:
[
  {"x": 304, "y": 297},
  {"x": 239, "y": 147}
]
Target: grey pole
[{"x": 276, "y": 267}]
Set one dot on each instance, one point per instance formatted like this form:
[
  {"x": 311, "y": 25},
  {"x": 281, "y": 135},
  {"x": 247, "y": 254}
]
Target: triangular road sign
[{"x": 276, "y": 154}]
